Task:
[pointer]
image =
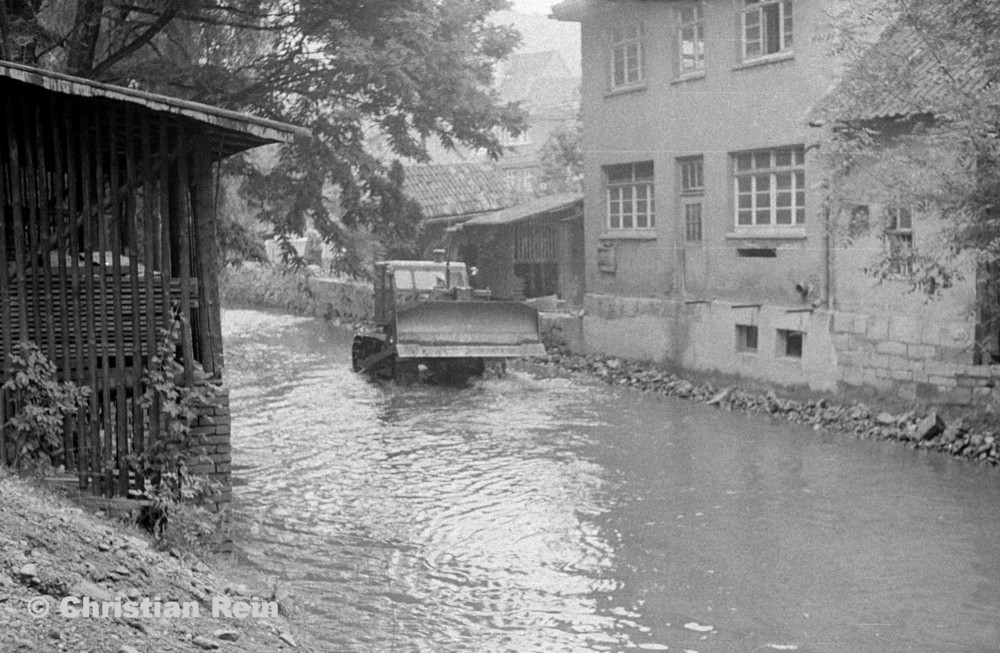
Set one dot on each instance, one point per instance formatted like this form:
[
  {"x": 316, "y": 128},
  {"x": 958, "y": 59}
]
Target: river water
[{"x": 538, "y": 512}]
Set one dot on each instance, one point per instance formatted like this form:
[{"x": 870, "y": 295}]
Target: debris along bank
[
  {"x": 961, "y": 437},
  {"x": 52, "y": 551}
]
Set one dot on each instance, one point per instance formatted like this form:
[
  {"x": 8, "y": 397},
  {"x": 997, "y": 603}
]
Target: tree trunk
[{"x": 82, "y": 43}]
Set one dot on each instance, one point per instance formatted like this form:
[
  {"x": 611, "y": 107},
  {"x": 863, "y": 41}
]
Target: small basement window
[
  {"x": 790, "y": 343},
  {"x": 746, "y": 338}
]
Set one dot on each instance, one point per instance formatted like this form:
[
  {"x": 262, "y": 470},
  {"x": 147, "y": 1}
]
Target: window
[
  {"x": 691, "y": 38},
  {"x": 692, "y": 175},
  {"x": 767, "y": 27},
  {"x": 509, "y": 140},
  {"x": 627, "y": 58},
  {"x": 746, "y": 338},
  {"x": 790, "y": 343},
  {"x": 692, "y": 221},
  {"x": 771, "y": 187},
  {"x": 899, "y": 237},
  {"x": 692, "y": 190},
  {"x": 630, "y": 196}
]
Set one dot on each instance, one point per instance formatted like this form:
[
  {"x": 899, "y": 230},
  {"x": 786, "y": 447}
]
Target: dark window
[
  {"x": 790, "y": 343},
  {"x": 746, "y": 337}
]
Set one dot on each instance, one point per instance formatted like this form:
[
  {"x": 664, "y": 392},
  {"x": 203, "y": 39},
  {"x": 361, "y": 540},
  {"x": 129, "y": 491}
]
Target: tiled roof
[
  {"x": 907, "y": 72},
  {"x": 445, "y": 190},
  {"x": 526, "y": 210}
]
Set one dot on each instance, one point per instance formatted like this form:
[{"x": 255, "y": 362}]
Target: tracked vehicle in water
[{"x": 428, "y": 318}]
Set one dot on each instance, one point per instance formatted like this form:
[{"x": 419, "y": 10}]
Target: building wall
[
  {"x": 652, "y": 295},
  {"x": 730, "y": 108}
]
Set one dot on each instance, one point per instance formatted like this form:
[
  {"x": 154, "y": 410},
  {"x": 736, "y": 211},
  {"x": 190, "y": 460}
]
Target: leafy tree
[
  {"x": 409, "y": 69},
  {"x": 562, "y": 159},
  {"x": 916, "y": 122}
]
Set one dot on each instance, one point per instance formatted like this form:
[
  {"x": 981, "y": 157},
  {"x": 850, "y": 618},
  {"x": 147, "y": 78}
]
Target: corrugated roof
[
  {"x": 906, "y": 73},
  {"x": 527, "y": 210},
  {"x": 456, "y": 189},
  {"x": 237, "y": 131}
]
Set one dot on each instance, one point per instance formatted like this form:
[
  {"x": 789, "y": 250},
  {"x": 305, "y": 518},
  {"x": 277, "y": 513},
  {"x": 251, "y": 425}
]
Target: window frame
[
  {"x": 785, "y": 23},
  {"x": 691, "y": 170},
  {"x": 743, "y": 332},
  {"x": 790, "y": 197},
  {"x": 786, "y": 338},
  {"x": 632, "y": 184},
  {"x": 697, "y": 25},
  {"x": 621, "y": 40},
  {"x": 899, "y": 239}
]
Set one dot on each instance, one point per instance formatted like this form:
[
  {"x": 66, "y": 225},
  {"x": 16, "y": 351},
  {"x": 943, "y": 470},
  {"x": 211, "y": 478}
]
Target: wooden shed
[{"x": 109, "y": 232}]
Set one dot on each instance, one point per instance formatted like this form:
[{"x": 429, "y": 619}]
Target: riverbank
[
  {"x": 963, "y": 433},
  {"x": 52, "y": 550}
]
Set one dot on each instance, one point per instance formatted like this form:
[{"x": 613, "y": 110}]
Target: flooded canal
[{"x": 539, "y": 513}]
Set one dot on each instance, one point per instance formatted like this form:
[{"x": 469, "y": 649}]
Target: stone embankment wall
[
  {"x": 918, "y": 361},
  {"x": 927, "y": 361},
  {"x": 341, "y": 298}
]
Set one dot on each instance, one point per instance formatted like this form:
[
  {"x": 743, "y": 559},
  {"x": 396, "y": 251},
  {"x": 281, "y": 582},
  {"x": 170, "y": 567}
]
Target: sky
[{"x": 534, "y": 6}]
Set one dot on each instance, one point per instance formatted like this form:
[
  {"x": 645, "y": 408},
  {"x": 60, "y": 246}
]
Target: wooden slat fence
[{"x": 98, "y": 204}]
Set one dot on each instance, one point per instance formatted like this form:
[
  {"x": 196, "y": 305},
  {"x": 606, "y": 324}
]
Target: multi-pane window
[
  {"x": 627, "y": 58},
  {"x": 630, "y": 196},
  {"x": 692, "y": 190},
  {"x": 899, "y": 236},
  {"x": 692, "y": 221},
  {"x": 691, "y": 38},
  {"x": 770, "y": 187},
  {"x": 767, "y": 27}
]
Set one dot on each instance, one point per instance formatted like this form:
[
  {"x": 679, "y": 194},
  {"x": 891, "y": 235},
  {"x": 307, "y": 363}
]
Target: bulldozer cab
[{"x": 400, "y": 283}]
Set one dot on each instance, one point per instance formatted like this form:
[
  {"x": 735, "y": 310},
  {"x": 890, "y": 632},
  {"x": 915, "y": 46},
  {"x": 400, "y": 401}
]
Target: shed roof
[
  {"x": 236, "y": 131},
  {"x": 550, "y": 204},
  {"x": 905, "y": 73},
  {"x": 456, "y": 189}
]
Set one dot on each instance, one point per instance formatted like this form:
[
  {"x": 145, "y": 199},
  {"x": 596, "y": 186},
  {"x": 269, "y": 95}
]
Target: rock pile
[{"x": 923, "y": 431}]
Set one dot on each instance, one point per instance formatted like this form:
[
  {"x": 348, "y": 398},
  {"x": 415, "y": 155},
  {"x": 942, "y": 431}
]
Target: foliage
[
  {"x": 164, "y": 466},
  {"x": 916, "y": 123},
  {"x": 942, "y": 156},
  {"x": 41, "y": 406},
  {"x": 407, "y": 70},
  {"x": 562, "y": 159}
]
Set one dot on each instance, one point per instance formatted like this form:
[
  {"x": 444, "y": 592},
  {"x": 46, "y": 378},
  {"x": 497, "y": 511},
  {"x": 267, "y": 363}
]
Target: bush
[{"x": 41, "y": 406}]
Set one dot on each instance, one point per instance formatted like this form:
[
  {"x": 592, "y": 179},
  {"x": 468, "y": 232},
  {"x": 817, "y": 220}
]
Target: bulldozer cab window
[{"x": 403, "y": 279}]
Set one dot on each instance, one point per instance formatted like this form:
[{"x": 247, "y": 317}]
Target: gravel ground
[{"x": 51, "y": 549}]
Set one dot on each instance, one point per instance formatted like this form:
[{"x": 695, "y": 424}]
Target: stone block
[
  {"x": 930, "y": 333},
  {"x": 878, "y": 361},
  {"x": 904, "y": 328},
  {"x": 843, "y": 322},
  {"x": 907, "y": 391},
  {"x": 957, "y": 396},
  {"x": 900, "y": 363},
  {"x": 859, "y": 324},
  {"x": 943, "y": 382},
  {"x": 921, "y": 351},
  {"x": 878, "y": 328},
  {"x": 901, "y": 374},
  {"x": 891, "y": 348}
]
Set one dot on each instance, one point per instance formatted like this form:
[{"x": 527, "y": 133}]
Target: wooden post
[{"x": 207, "y": 260}]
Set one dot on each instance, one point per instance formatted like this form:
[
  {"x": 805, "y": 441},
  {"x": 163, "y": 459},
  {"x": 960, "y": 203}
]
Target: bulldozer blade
[{"x": 468, "y": 330}]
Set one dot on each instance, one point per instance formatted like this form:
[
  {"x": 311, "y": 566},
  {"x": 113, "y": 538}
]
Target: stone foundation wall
[
  {"x": 927, "y": 361},
  {"x": 214, "y": 428},
  {"x": 896, "y": 355}
]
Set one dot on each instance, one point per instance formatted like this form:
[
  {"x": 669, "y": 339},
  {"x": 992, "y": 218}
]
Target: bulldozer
[{"x": 429, "y": 321}]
